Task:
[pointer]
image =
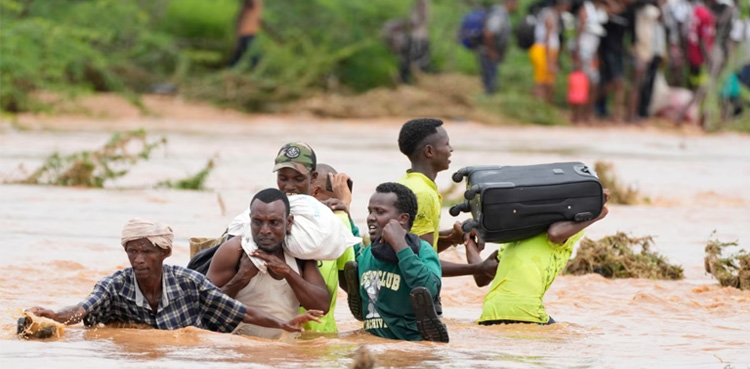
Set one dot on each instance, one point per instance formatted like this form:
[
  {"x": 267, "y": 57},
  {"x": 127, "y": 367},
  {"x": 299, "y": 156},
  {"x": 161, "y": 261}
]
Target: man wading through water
[
  {"x": 163, "y": 296},
  {"x": 296, "y": 173},
  {"x": 398, "y": 273},
  {"x": 425, "y": 142},
  {"x": 287, "y": 283}
]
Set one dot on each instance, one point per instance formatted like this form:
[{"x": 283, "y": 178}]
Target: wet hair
[
  {"x": 414, "y": 132},
  {"x": 406, "y": 201},
  {"x": 270, "y": 195}
]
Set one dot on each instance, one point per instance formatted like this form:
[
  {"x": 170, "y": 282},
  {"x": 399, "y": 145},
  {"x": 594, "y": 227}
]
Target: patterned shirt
[{"x": 188, "y": 299}]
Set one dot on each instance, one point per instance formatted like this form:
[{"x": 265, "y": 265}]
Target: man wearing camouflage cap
[{"x": 295, "y": 166}]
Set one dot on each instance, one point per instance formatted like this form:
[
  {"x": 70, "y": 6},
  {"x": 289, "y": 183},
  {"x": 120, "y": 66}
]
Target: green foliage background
[{"x": 70, "y": 47}]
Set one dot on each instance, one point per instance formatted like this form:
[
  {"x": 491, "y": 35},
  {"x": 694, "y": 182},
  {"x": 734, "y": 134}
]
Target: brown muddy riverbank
[{"x": 57, "y": 242}]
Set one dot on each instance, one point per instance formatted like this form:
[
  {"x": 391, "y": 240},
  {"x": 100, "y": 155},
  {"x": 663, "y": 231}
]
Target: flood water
[{"x": 57, "y": 242}]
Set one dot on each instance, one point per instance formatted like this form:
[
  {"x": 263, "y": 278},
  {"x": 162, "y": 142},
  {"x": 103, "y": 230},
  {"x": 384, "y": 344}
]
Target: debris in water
[
  {"x": 732, "y": 271},
  {"x": 619, "y": 193},
  {"x": 93, "y": 168},
  {"x": 32, "y": 326},
  {"x": 194, "y": 182},
  {"x": 363, "y": 359},
  {"x": 617, "y": 257}
]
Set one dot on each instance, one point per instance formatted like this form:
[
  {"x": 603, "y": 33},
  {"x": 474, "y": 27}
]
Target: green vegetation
[
  {"x": 617, "y": 257},
  {"x": 65, "y": 48},
  {"x": 194, "y": 182},
  {"x": 732, "y": 271},
  {"x": 94, "y": 168}
]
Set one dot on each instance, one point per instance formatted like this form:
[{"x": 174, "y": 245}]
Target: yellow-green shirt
[
  {"x": 525, "y": 271},
  {"x": 429, "y": 205},
  {"x": 329, "y": 269}
]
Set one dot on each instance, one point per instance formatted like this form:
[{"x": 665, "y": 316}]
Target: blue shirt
[{"x": 188, "y": 299}]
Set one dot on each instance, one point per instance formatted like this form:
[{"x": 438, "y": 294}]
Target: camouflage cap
[{"x": 296, "y": 155}]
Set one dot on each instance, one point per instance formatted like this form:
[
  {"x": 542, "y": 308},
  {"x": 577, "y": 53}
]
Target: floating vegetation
[
  {"x": 732, "y": 271},
  {"x": 617, "y": 256},
  {"x": 94, "y": 168},
  {"x": 194, "y": 182},
  {"x": 619, "y": 193}
]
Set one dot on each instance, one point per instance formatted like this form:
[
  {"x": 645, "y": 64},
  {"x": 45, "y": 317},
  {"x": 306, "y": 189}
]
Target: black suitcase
[{"x": 512, "y": 203}]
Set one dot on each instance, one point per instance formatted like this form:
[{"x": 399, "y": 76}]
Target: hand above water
[
  {"x": 295, "y": 325},
  {"x": 42, "y": 312}
]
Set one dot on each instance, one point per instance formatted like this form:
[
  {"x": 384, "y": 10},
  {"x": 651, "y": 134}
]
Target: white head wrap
[{"x": 159, "y": 234}]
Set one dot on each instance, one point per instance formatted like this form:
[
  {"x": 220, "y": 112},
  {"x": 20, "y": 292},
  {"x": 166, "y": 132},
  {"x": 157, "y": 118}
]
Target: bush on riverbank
[{"x": 310, "y": 48}]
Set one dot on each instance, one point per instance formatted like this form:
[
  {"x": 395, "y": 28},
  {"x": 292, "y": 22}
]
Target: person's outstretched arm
[
  {"x": 560, "y": 232},
  {"x": 223, "y": 272},
  {"x": 68, "y": 315},
  {"x": 264, "y": 319}
]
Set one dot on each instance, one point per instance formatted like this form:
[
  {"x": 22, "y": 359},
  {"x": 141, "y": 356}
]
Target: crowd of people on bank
[
  {"x": 254, "y": 285},
  {"x": 630, "y": 59}
]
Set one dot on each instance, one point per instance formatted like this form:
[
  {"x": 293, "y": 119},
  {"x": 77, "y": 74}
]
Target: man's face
[
  {"x": 441, "y": 149},
  {"x": 268, "y": 223},
  {"x": 382, "y": 208},
  {"x": 291, "y": 181},
  {"x": 145, "y": 258}
]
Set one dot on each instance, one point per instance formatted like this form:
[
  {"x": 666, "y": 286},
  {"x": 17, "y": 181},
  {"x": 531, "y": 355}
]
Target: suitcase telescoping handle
[
  {"x": 477, "y": 188},
  {"x": 465, "y": 171}
]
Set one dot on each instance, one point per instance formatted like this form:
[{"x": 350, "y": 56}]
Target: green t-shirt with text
[{"x": 385, "y": 289}]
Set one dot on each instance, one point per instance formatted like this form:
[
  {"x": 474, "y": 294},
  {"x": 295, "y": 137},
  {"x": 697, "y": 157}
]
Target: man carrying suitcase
[
  {"x": 425, "y": 142},
  {"x": 525, "y": 270}
]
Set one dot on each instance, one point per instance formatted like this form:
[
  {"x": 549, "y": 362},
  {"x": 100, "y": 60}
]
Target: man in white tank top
[{"x": 288, "y": 283}]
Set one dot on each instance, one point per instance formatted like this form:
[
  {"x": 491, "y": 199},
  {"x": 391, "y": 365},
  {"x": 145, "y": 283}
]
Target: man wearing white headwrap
[
  {"x": 163, "y": 296},
  {"x": 160, "y": 235}
]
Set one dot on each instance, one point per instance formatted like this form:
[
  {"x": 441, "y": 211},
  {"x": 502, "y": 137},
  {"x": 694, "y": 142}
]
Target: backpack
[
  {"x": 525, "y": 31},
  {"x": 472, "y": 27}
]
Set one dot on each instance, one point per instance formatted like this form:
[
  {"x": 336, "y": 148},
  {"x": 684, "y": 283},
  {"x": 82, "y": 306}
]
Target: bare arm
[
  {"x": 264, "y": 319},
  {"x": 451, "y": 269},
  {"x": 245, "y": 273},
  {"x": 223, "y": 270},
  {"x": 489, "y": 265},
  {"x": 310, "y": 288},
  {"x": 68, "y": 315},
  {"x": 560, "y": 232}
]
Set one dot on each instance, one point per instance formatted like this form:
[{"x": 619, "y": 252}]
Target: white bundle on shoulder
[{"x": 316, "y": 234}]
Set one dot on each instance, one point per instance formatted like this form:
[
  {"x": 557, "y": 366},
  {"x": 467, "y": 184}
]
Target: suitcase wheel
[{"x": 459, "y": 208}]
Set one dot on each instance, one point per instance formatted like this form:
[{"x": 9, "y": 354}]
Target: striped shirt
[{"x": 188, "y": 299}]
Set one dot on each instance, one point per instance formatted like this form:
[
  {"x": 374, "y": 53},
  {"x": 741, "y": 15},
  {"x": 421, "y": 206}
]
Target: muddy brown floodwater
[{"x": 57, "y": 242}]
